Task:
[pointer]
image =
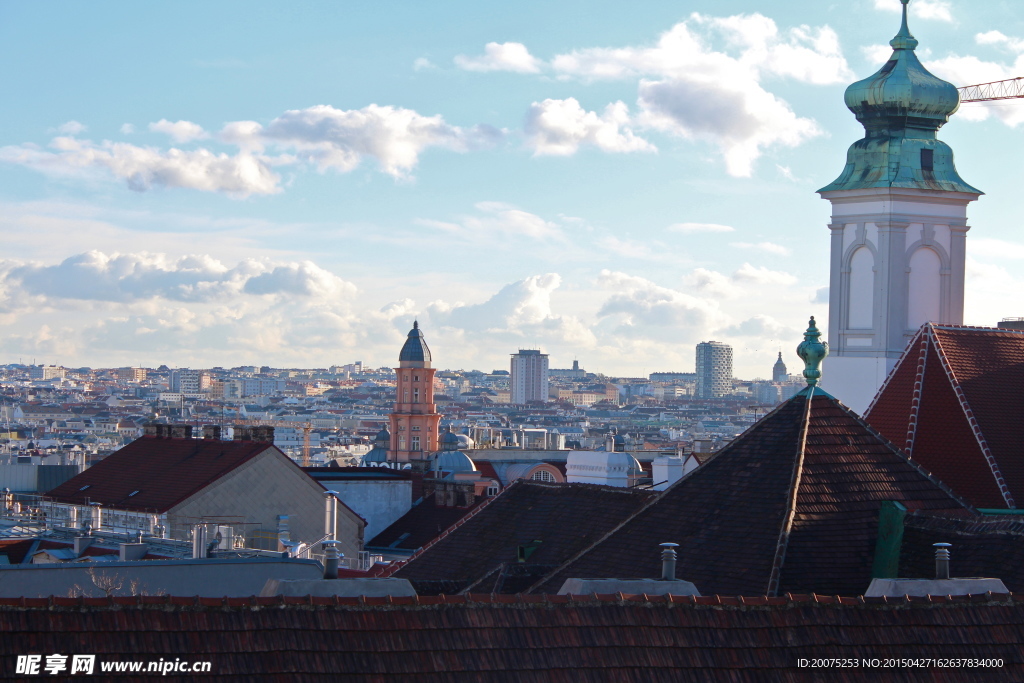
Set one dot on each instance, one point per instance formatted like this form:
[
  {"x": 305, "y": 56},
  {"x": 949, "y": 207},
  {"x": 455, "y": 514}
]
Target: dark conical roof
[
  {"x": 791, "y": 505},
  {"x": 415, "y": 349}
]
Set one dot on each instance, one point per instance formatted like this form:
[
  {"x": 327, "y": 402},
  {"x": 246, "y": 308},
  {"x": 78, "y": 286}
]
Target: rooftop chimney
[
  {"x": 331, "y": 558},
  {"x": 941, "y": 560},
  {"x": 668, "y": 561},
  {"x": 211, "y": 432},
  {"x": 942, "y": 584},
  {"x": 181, "y": 432}
]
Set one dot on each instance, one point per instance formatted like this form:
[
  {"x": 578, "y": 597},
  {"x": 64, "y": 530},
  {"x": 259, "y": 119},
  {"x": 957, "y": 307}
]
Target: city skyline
[{"x": 614, "y": 190}]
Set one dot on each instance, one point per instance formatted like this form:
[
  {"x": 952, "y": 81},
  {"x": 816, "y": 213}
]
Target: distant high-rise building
[
  {"x": 714, "y": 369},
  {"x": 131, "y": 374},
  {"x": 415, "y": 420},
  {"x": 529, "y": 380},
  {"x": 779, "y": 372},
  {"x": 189, "y": 381},
  {"x": 45, "y": 372}
]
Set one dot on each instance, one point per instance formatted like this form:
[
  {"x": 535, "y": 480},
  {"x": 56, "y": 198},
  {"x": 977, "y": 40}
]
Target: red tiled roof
[
  {"x": 529, "y": 639},
  {"x": 744, "y": 529},
  {"x": 953, "y": 402},
  {"x": 164, "y": 471}
]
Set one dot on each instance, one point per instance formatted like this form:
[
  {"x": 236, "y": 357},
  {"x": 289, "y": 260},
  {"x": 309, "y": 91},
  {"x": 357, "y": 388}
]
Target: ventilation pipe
[
  {"x": 668, "y": 561},
  {"x": 331, "y": 515},
  {"x": 331, "y": 559},
  {"x": 941, "y": 560},
  {"x": 199, "y": 541}
]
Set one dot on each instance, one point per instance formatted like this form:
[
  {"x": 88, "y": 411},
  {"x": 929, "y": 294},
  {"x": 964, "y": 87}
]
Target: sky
[{"x": 292, "y": 184}]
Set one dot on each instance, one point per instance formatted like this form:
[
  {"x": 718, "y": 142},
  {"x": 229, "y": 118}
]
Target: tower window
[
  {"x": 415, "y": 443},
  {"x": 543, "y": 475},
  {"x": 927, "y": 160}
]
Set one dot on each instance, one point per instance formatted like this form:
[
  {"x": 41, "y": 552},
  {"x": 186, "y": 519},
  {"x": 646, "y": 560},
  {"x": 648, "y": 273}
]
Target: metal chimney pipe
[
  {"x": 941, "y": 560},
  {"x": 331, "y": 515},
  {"x": 668, "y": 561},
  {"x": 331, "y": 557}
]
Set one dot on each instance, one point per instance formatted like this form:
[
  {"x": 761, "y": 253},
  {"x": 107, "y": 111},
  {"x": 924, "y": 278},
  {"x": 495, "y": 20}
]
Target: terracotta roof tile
[
  {"x": 540, "y": 638},
  {"x": 163, "y": 471},
  {"x": 963, "y": 422}
]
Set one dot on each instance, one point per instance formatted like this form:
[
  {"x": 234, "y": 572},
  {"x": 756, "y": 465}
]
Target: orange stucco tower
[{"x": 415, "y": 420}]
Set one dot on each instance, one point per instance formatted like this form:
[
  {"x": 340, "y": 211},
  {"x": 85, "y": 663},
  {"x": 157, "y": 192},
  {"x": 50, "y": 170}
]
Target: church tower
[
  {"x": 415, "y": 420},
  {"x": 899, "y": 224}
]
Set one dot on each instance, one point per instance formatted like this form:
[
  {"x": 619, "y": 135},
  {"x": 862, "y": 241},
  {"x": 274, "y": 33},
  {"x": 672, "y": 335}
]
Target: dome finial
[
  {"x": 904, "y": 40},
  {"x": 415, "y": 324},
  {"x": 812, "y": 352}
]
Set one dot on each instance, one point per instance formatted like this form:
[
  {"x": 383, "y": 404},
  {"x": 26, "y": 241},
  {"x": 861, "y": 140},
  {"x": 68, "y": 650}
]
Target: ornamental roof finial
[
  {"x": 812, "y": 352},
  {"x": 904, "y": 40}
]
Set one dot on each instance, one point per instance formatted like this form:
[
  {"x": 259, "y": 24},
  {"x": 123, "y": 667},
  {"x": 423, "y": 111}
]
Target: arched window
[{"x": 543, "y": 475}]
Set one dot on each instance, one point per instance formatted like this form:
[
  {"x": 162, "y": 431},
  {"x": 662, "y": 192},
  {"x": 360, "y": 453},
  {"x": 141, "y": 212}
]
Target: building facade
[
  {"x": 899, "y": 224},
  {"x": 415, "y": 420},
  {"x": 529, "y": 380},
  {"x": 714, "y": 369}
]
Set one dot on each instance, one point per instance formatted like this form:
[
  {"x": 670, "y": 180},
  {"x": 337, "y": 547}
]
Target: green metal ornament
[{"x": 812, "y": 351}]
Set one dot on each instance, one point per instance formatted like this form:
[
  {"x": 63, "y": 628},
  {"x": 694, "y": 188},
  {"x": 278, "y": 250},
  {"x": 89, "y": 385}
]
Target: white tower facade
[
  {"x": 899, "y": 225},
  {"x": 529, "y": 376}
]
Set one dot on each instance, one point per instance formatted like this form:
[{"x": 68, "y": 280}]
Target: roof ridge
[
  {"x": 990, "y": 459},
  {"x": 395, "y": 566},
  {"x": 890, "y": 375},
  {"x": 975, "y": 328},
  {"x": 794, "y": 488},
  {"x": 915, "y": 402},
  {"x": 654, "y": 499}
]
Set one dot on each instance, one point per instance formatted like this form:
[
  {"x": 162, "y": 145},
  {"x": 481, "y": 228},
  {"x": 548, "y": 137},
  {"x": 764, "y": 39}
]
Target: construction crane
[
  {"x": 306, "y": 428},
  {"x": 1009, "y": 89}
]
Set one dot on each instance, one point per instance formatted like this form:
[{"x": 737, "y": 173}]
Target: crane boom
[{"x": 1009, "y": 89}]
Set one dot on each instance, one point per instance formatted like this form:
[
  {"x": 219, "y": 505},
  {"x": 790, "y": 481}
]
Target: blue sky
[{"x": 229, "y": 183}]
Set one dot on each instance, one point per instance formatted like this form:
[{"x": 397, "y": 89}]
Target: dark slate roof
[
  {"x": 164, "y": 471},
  {"x": 526, "y": 639},
  {"x": 731, "y": 516},
  {"x": 953, "y": 403},
  {"x": 986, "y": 546},
  {"x": 555, "y": 520},
  {"x": 423, "y": 523},
  {"x": 415, "y": 348}
]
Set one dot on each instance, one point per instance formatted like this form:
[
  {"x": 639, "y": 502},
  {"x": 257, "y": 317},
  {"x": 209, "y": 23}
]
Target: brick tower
[{"x": 414, "y": 421}]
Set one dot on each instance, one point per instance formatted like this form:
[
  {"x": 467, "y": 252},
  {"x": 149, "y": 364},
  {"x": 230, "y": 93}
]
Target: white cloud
[
  {"x": 340, "y": 139},
  {"x": 560, "y": 127},
  {"x": 820, "y": 295},
  {"x": 127, "y": 129},
  {"x": 1001, "y": 39},
  {"x": 501, "y": 57},
  {"x": 970, "y": 70},
  {"x": 763, "y": 326},
  {"x": 690, "y": 228},
  {"x": 497, "y": 220},
  {"x": 423, "y": 64},
  {"x": 322, "y": 135},
  {"x": 97, "y": 276},
  {"x": 876, "y": 54},
  {"x": 767, "y": 247},
  {"x": 804, "y": 53},
  {"x": 747, "y": 280},
  {"x": 939, "y": 10},
  {"x": 71, "y": 128},
  {"x": 647, "y": 308},
  {"x": 179, "y": 131},
  {"x": 240, "y": 175},
  {"x": 521, "y": 310},
  {"x": 690, "y": 89},
  {"x": 989, "y": 247}
]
